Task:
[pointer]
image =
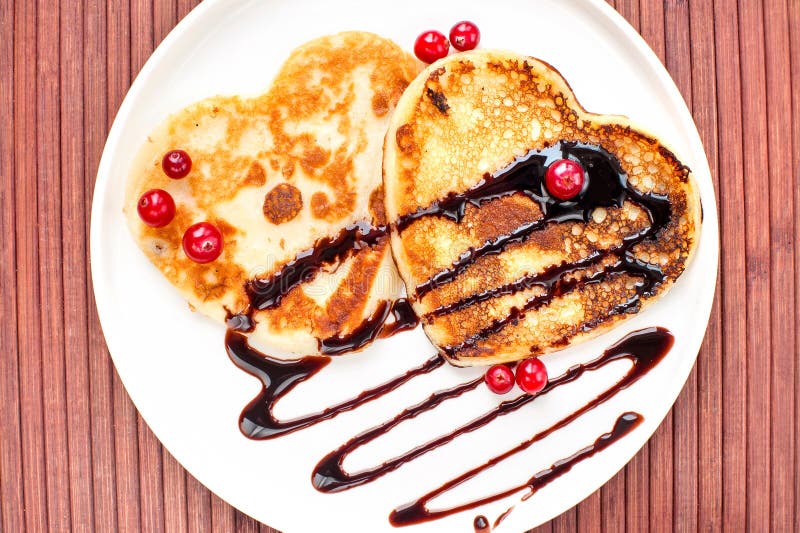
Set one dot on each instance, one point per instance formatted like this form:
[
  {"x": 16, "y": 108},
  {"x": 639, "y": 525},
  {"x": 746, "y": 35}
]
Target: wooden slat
[
  {"x": 48, "y": 210},
  {"x": 73, "y": 245},
  {"x": 781, "y": 225},
  {"x": 794, "y": 49},
  {"x": 732, "y": 264},
  {"x": 11, "y": 481},
  {"x": 245, "y": 524},
  {"x": 223, "y": 516},
  {"x": 757, "y": 250},
  {"x": 27, "y": 266},
  {"x": 175, "y": 498},
  {"x": 566, "y": 522},
  {"x": 198, "y": 506},
  {"x": 101, "y": 409},
  {"x": 612, "y": 504},
  {"x": 588, "y": 514}
]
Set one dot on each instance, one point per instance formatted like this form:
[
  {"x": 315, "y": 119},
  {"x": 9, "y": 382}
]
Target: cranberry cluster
[
  {"x": 432, "y": 45},
  {"x": 531, "y": 377},
  {"x": 202, "y": 242}
]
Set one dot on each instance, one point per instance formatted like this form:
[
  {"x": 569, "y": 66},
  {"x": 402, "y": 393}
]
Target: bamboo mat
[{"x": 74, "y": 454}]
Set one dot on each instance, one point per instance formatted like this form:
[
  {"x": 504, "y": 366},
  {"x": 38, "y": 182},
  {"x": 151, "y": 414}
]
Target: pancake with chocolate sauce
[
  {"x": 279, "y": 174},
  {"x": 497, "y": 268}
]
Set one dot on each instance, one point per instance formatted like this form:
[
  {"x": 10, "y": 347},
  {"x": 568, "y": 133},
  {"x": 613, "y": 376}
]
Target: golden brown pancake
[
  {"x": 276, "y": 174},
  {"x": 500, "y": 270}
]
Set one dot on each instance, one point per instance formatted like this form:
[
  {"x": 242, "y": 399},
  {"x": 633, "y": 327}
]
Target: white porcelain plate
[{"x": 173, "y": 362}]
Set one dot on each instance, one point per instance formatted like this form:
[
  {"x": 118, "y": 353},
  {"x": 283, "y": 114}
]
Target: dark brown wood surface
[{"x": 75, "y": 455}]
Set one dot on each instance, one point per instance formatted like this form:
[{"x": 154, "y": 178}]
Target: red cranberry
[
  {"x": 531, "y": 375},
  {"x": 499, "y": 379},
  {"x": 156, "y": 208},
  {"x": 431, "y": 45},
  {"x": 564, "y": 179},
  {"x": 202, "y": 242},
  {"x": 465, "y": 36},
  {"x": 176, "y": 164}
]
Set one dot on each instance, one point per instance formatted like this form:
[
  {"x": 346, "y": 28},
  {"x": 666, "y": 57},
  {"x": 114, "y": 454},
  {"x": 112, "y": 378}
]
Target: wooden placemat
[{"x": 75, "y": 455}]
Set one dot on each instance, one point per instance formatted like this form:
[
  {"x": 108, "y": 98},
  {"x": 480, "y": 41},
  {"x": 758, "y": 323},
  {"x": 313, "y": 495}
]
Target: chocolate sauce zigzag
[
  {"x": 278, "y": 377},
  {"x": 416, "y": 512},
  {"x": 645, "y": 348}
]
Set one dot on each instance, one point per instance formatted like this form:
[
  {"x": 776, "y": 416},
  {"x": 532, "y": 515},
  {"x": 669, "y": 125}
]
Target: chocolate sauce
[
  {"x": 365, "y": 333},
  {"x": 416, "y": 512},
  {"x": 645, "y": 348},
  {"x": 556, "y": 285},
  {"x": 373, "y": 327},
  {"x": 606, "y": 186},
  {"x": 404, "y": 318},
  {"x": 267, "y": 293},
  {"x": 279, "y": 377},
  {"x": 481, "y": 524},
  {"x": 329, "y": 476}
]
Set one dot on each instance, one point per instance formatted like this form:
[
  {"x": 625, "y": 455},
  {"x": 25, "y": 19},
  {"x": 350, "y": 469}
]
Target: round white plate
[{"x": 173, "y": 362}]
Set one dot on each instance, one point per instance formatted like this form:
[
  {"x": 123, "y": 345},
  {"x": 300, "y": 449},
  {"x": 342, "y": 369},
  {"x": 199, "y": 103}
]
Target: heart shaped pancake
[
  {"x": 498, "y": 267},
  {"x": 296, "y": 168}
]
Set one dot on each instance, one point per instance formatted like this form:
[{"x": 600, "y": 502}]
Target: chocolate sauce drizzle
[
  {"x": 416, "y": 512},
  {"x": 279, "y": 377},
  {"x": 644, "y": 348},
  {"x": 606, "y": 186},
  {"x": 267, "y": 293},
  {"x": 372, "y": 327}
]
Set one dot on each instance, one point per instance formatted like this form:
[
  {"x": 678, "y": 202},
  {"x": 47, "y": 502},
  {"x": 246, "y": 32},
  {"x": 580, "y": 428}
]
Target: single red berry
[
  {"x": 465, "y": 35},
  {"x": 202, "y": 242},
  {"x": 156, "y": 208},
  {"x": 176, "y": 164},
  {"x": 431, "y": 45},
  {"x": 531, "y": 375},
  {"x": 499, "y": 379},
  {"x": 564, "y": 179}
]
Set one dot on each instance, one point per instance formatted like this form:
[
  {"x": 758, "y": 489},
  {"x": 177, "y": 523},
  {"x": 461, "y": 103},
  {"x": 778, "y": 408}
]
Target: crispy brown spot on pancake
[
  {"x": 337, "y": 176},
  {"x": 256, "y": 176},
  {"x": 438, "y": 99},
  {"x": 314, "y": 157},
  {"x": 380, "y": 105},
  {"x": 377, "y": 209},
  {"x": 282, "y": 203},
  {"x": 405, "y": 138}
]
